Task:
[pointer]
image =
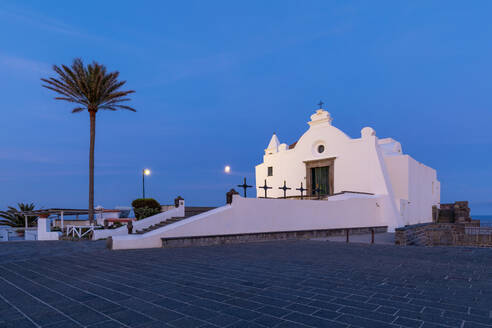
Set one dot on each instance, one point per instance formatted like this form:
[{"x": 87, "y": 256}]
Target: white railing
[
  {"x": 482, "y": 230},
  {"x": 141, "y": 224},
  {"x": 79, "y": 231}
]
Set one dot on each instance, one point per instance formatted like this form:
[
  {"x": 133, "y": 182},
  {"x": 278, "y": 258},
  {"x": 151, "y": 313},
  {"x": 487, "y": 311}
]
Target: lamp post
[{"x": 144, "y": 173}]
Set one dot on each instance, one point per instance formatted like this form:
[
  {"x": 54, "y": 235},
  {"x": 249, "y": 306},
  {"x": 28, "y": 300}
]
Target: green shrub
[
  {"x": 145, "y": 207},
  {"x": 146, "y": 202},
  {"x": 145, "y": 212}
]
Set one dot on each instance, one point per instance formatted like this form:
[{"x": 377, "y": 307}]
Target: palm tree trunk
[{"x": 92, "y": 115}]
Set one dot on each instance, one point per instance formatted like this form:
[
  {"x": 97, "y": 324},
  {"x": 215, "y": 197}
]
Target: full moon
[{"x": 227, "y": 169}]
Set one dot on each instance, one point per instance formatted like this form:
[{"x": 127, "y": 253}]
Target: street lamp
[{"x": 144, "y": 173}]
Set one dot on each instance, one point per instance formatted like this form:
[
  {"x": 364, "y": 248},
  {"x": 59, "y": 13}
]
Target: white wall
[
  {"x": 422, "y": 196},
  {"x": 415, "y": 186},
  {"x": 4, "y": 233},
  {"x": 399, "y": 175},
  {"x": 253, "y": 215},
  {"x": 44, "y": 230},
  {"x": 141, "y": 224}
]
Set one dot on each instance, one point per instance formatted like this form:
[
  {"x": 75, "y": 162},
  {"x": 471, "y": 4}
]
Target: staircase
[
  {"x": 189, "y": 212},
  {"x": 195, "y": 210}
]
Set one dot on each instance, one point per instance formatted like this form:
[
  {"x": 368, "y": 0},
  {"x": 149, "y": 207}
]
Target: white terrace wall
[
  {"x": 424, "y": 192},
  {"x": 416, "y": 187},
  {"x": 141, "y": 224},
  {"x": 254, "y": 215},
  {"x": 44, "y": 230}
]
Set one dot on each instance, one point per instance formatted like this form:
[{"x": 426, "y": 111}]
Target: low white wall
[
  {"x": 4, "y": 234},
  {"x": 141, "y": 224},
  {"x": 105, "y": 233},
  {"x": 31, "y": 234},
  {"x": 253, "y": 215},
  {"x": 44, "y": 232}
]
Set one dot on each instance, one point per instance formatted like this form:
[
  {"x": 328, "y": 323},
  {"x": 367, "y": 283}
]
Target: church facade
[{"x": 332, "y": 166}]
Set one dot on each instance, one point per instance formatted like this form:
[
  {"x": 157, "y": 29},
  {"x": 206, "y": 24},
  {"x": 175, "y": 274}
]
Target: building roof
[
  {"x": 274, "y": 142},
  {"x": 67, "y": 211}
]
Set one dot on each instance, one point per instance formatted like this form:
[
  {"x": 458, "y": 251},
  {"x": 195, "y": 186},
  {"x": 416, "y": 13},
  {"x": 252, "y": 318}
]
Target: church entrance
[{"x": 319, "y": 175}]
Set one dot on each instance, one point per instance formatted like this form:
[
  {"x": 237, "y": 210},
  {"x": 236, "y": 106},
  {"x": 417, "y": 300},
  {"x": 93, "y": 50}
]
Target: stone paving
[{"x": 271, "y": 284}]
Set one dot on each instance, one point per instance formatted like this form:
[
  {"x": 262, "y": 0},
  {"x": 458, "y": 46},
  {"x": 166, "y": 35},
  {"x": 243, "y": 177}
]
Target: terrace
[{"x": 267, "y": 284}]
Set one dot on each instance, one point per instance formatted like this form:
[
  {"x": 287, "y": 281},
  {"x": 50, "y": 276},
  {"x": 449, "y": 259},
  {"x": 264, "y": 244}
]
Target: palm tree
[
  {"x": 91, "y": 88},
  {"x": 15, "y": 218}
]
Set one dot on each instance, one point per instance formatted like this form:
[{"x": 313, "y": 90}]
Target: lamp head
[{"x": 146, "y": 171}]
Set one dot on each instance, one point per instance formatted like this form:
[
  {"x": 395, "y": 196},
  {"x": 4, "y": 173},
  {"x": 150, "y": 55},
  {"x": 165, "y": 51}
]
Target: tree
[
  {"x": 15, "y": 218},
  {"x": 91, "y": 88}
]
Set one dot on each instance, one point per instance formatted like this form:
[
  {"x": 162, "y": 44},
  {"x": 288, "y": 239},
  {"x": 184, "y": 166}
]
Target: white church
[
  {"x": 348, "y": 185},
  {"x": 327, "y": 163}
]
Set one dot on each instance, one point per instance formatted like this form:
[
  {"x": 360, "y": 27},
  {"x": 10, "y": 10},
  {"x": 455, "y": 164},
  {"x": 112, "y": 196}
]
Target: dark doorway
[
  {"x": 320, "y": 172},
  {"x": 320, "y": 179}
]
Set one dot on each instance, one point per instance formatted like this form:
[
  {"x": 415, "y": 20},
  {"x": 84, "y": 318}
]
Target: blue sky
[{"x": 214, "y": 79}]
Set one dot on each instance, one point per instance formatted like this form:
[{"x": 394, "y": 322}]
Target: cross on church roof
[{"x": 320, "y": 104}]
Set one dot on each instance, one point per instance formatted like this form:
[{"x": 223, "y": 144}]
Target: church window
[
  {"x": 270, "y": 171},
  {"x": 321, "y": 149}
]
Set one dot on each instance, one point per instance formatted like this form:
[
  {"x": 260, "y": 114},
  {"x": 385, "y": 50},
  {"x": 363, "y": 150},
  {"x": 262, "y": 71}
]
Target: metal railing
[
  {"x": 485, "y": 228},
  {"x": 316, "y": 193}
]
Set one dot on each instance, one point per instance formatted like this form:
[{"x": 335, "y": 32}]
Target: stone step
[
  {"x": 189, "y": 212},
  {"x": 159, "y": 225},
  {"x": 195, "y": 210}
]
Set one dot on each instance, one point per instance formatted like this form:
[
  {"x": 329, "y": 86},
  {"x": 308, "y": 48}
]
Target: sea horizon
[{"x": 483, "y": 217}]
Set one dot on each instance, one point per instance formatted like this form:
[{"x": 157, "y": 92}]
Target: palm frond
[
  {"x": 16, "y": 217},
  {"x": 90, "y": 86}
]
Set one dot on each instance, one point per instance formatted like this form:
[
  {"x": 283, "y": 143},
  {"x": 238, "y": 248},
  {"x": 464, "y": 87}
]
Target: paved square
[{"x": 274, "y": 284}]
